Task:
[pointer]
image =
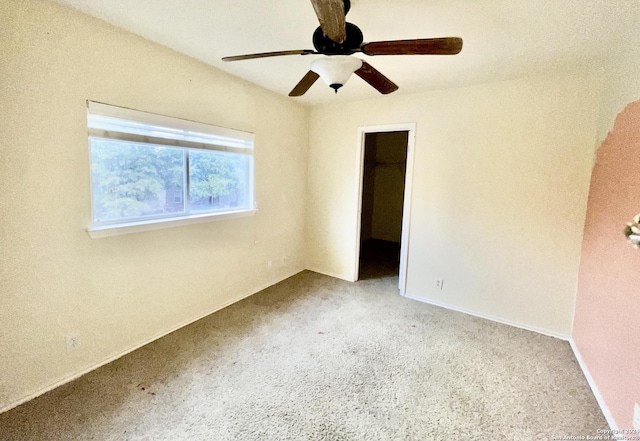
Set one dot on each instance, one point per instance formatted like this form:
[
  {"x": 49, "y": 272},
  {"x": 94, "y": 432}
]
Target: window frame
[{"x": 105, "y": 121}]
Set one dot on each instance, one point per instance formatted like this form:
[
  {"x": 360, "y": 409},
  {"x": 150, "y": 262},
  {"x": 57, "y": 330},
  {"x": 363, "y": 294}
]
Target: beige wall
[
  {"x": 501, "y": 176},
  {"x": 499, "y": 193},
  {"x": 119, "y": 292},
  {"x": 620, "y": 83}
]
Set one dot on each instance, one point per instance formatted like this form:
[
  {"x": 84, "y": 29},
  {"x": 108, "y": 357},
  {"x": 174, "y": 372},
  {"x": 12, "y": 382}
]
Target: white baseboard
[
  {"x": 490, "y": 317},
  {"x": 108, "y": 360},
  {"x": 594, "y": 388},
  {"x": 330, "y": 274}
]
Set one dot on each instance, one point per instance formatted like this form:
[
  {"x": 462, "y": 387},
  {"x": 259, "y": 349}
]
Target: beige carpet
[{"x": 315, "y": 358}]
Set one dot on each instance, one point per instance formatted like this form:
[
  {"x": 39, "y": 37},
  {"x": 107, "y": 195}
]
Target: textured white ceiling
[{"x": 502, "y": 38}]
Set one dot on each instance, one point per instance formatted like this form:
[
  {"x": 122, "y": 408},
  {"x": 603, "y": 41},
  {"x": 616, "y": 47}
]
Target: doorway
[{"x": 386, "y": 158}]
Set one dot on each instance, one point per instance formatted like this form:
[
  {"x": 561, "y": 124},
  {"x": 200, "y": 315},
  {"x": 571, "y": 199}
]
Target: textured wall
[
  {"x": 119, "y": 292},
  {"x": 606, "y": 312},
  {"x": 608, "y": 302},
  {"x": 501, "y": 175}
]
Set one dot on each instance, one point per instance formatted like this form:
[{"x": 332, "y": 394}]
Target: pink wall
[{"x": 606, "y": 326}]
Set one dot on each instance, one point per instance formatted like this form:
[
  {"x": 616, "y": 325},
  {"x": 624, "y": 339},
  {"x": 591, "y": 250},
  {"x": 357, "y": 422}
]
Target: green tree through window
[
  {"x": 134, "y": 180},
  {"x": 216, "y": 179}
]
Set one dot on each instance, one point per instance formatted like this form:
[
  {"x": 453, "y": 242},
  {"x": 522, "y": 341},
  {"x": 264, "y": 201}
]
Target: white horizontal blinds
[{"x": 107, "y": 121}]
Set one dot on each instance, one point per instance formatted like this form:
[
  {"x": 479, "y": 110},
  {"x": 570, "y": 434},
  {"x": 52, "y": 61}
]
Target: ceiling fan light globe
[{"x": 335, "y": 70}]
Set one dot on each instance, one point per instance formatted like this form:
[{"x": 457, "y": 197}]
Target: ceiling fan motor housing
[{"x": 327, "y": 46}]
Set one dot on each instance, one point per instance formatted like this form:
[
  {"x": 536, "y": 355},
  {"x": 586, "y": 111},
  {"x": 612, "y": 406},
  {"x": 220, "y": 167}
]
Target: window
[{"x": 152, "y": 170}]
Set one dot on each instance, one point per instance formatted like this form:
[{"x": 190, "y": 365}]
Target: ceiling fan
[{"x": 339, "y": 40}]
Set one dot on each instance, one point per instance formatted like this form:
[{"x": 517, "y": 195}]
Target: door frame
[{"x": 406, "y": 206}]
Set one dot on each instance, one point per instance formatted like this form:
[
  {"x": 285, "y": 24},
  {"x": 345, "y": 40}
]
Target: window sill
[{"x": 158, "y": 224}]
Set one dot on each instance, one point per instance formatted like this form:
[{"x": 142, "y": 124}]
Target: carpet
[{"x": 317, "y": 358}]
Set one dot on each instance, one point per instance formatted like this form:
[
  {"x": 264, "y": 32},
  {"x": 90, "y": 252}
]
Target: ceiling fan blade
[
  {"x": 378, "y": 81},
  {"x": 424, "y": 46},
  {"x": 331, "y": 15},
  {"x": 305, "y": 83},
  {"x": 269, "y": 54}
]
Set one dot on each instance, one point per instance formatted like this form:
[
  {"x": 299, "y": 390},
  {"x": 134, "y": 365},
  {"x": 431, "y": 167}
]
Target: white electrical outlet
[
  {"x": 636, "y": 416},
  {"x": 270, "y": 264},
  {"x": 73, "y": 342},
  {"x": 438, "y": 283}
]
